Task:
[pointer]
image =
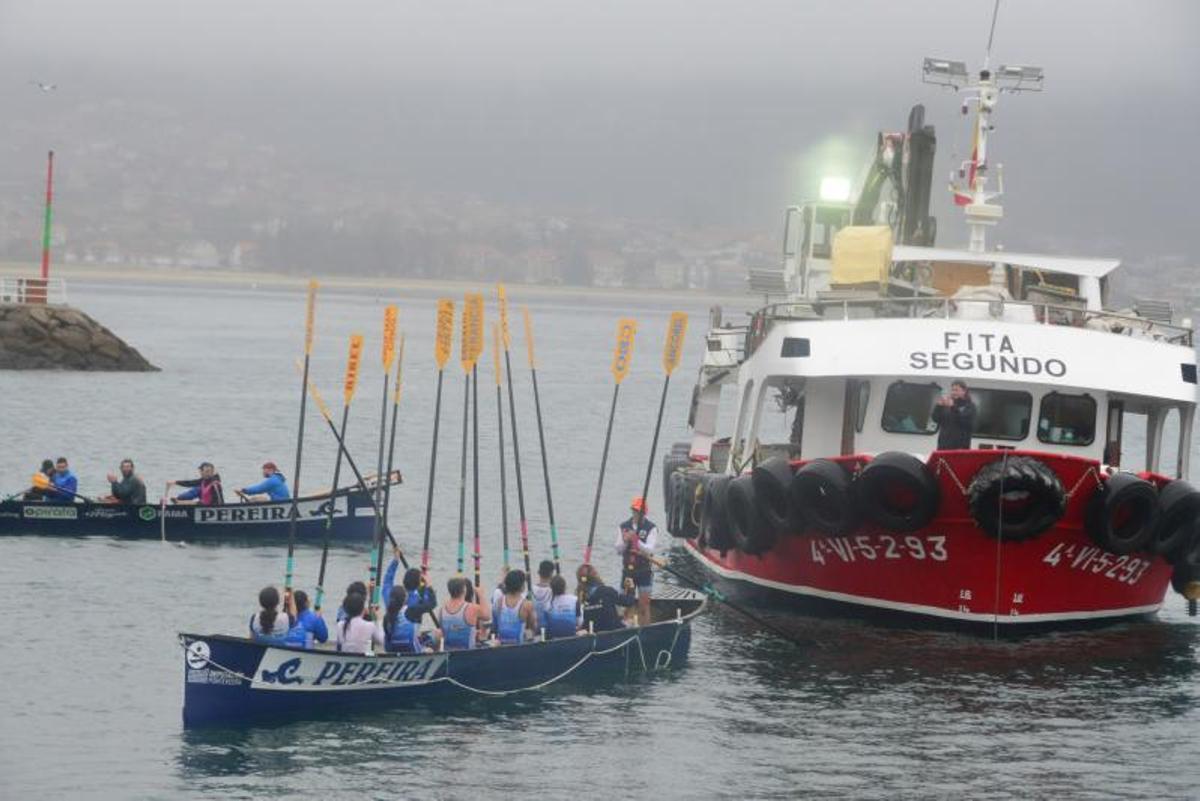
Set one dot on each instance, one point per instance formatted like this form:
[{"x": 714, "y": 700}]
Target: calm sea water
[{"x": 92, "y": 684}]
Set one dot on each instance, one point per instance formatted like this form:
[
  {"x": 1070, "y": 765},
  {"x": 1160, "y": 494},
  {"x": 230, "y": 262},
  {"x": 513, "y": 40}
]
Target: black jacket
[
  {"x": 955, "y": 425},
  {"x": 600, "y": 609}
]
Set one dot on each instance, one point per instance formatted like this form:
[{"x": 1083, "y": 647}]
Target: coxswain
[
  {"x": 271, "y": 625},
  {"x": 562, "y": 618},
  {"x": 204, "y": 491},
  {"x": 308, "y": 627},
  {"x": 515, "y": 615},
  {"x": 637, "y": 539},
  {"x": 273, "y": 487},
  {"x": 356, "y": 634},
  {"x": 542, "y": 594},
  {"x": 65, "y": 486},
  {"x": 127, "y": 486},
  {"x": 599, "y": 601},
  {"x": 955, "y": 416}
]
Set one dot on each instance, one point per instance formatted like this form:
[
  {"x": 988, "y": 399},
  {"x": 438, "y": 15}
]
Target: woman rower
[
  {"x": 271, "y": 625},
  {"x": 515, "y": 615},
  {"x": 402, "y": 633},
  {"x": 356, "y": 634},
  {"x": 563, "y": 618}
]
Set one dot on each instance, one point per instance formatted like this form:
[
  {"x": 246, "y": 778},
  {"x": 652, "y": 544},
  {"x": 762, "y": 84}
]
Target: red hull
[{"x": 952, "y": 570}]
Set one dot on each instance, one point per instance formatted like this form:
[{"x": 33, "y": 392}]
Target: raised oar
[
  {"x": 358, "y": 476},
  {"x": 464, "y": 358},
  {"x": 506, "y": 341},
  {"x": 500, "y": 429},
  {"x": 391, "y": 460},
  {"x": 389, "y": 354},
  {"x": 441, "y": 354},
  {"x": 622, "y": 355},
  {"x": 537, "y": 405},
  {"x": 474, "y": 317},
  {"x": 349, "y": 385},
  {"x": 310, "y": 312},
  {"x": 676, "y": 329}
]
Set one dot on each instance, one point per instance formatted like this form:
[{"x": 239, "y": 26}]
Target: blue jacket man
[
  {"x": 273, "y": 485},
  {"x": 66, "y": 486}
]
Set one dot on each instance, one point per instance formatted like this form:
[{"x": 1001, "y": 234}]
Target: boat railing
[
  {"x": 34, "y": 291},
  {"x": 964, "y": 308}
]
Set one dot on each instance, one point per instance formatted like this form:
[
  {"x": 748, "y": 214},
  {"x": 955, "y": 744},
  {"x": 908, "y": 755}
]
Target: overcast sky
[{"x": 715, "y": 113}]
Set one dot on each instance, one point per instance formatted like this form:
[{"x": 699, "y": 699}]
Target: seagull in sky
[{"x": 45, "y": 87}]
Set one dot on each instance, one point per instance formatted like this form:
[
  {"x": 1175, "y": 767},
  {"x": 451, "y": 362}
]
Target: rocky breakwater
[{"x": 39, "y": 337}]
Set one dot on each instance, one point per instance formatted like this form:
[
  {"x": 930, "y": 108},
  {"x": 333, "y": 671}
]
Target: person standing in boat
[
  {"x": 127, "y": 487},
  {"x": 955, "y": 416},
  {"x": 204, "y": 491},
  {"x": 599, "y": 601},
  {"x": 273, "y": 487},
  {"x": 637, "y": 539},
  {"x": 65, "y": 485}
]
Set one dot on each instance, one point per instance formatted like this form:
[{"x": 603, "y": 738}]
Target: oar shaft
[
  {"x": 462, "y": 476},
  {"x": 376, "y": 569},
  {"x": 437, "y": 420},
  {"x": 362, "y": 484},
  {"x": 516, "y": 444},
  {"x": 503, "y": 478},
  {"x": 293, "y": 518},
  {"x": 612, "y": 413},
  {"x": 475, "y": 464},
  {"x": 662, "y": 403},
  {"x": 537, "y": 406},
  {"x": 319, "y": 600}
]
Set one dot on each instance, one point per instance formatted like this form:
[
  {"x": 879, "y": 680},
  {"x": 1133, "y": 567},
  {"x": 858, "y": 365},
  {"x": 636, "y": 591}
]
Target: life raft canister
[
  {"x": 820, "y": 491},
  {"x": 1179, "y": 508},
  {"x": 897, "y": 492},
  {"x": 1122, "y": 514},
  {"x": 772, "y": 480},
  {"x": 714, "y": 522},
  {"x": 1016, "y": 498},
  {"x": 750, "y": 533}
]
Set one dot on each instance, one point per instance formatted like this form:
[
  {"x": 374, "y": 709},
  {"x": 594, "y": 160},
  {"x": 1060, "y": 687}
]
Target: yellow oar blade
[
  {"x": 496, "y": 351},
  {"x": 673, "y": 349},
  {"x": 310, "y": 316},
  {"x": 502, "y": 304},
  {"x": 623, "y": 354},
  {"x": 529, "y": 336},
  {"x": 444, "y": 345},
  {"x": 352, "y": 362},
  {"x": 472, "y": 341},
  {"x": 389, "y": 337}
]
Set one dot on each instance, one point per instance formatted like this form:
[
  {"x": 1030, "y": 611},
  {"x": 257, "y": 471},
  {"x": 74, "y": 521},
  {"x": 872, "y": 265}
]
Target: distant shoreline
[{"x": 230, "y": 278}]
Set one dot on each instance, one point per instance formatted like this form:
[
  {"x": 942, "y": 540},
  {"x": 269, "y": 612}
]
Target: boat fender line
[
  {"x": 715, "y": 517},
  {"x": 772, "y": 479},
  {"x": 821, "y": 492},
  {"x": 659, "y": 664},
  {"x": 1179, "y": 505},
  {"x": 897, "y": 491},
  {"x": 1016, "y": 498},
  {"x": 749, "y": 531},
  {"x": 1122, "y": 514}
]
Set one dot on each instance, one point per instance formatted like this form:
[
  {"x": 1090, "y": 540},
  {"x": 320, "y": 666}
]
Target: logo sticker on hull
[
  {"x": 287, "y": 670},
  {"x": 51, "y": 513}
]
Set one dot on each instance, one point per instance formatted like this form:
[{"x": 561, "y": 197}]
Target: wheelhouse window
[
  {"x": 1001, "y": 413},
  {"x": 908, "y": 408},
  {"x": 1067, "y": 419}
]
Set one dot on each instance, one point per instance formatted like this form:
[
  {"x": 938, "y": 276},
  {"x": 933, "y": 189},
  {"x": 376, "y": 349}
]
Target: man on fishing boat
[
  {"x": 273, "y": 487},
  {"x": 955, "y": 414},
  {"x": 636, "y": 542},
  {"x": 127, "y": 487},
  {"x": 65, "y": 484},
  {"x": 203, "y": 491}
]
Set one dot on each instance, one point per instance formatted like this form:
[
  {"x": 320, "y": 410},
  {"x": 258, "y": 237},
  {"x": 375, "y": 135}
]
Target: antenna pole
[{"x": 987, "y": 59}]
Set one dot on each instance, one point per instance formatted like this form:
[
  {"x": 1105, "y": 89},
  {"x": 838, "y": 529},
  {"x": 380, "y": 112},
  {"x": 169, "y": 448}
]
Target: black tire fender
[
  {"x": 715, "y": 520},
  {"x": 889, "y": 475},
  {"x": 1043, "y": 501},
  {"x": 772, "y": 480},
  {"x": 820, "y": 491},
  {"x": 1179, "y": 508},
  {"x": 750, "y": 533},
  {"x": 1122, "y": 514}
]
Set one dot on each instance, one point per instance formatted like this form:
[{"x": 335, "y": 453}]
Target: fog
[{"x": 664, "y": 113}]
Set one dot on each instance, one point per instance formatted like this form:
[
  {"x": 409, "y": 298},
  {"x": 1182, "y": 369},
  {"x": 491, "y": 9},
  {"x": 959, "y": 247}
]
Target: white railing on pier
[{"x": 39, "y": 291}]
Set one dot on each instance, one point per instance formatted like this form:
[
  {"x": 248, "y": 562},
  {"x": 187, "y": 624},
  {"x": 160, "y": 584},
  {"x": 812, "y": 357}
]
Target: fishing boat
[
  {"x": 235, "y": 680},
  {"x": 347, "y": 515},
  {"x": 827, "y": 492}
]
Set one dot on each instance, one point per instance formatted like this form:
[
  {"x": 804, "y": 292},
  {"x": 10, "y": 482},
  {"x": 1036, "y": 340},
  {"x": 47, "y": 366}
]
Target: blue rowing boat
[
  {"x": 353, "y": 519},
  {"x": 230, "y": 681}
]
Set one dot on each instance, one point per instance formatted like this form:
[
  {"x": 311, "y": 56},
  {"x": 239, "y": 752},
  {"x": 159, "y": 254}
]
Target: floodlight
[
  {"x": 943, "y": 72},
  {"x": 835, "y": 189},
  {"x": 1018, "y": 78}
]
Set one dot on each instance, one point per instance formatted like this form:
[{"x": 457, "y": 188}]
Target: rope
[
  {"x": 1091, "y": 471},
  {"x": 659, "y": 664},
  {"x": 937, "y": 471}
]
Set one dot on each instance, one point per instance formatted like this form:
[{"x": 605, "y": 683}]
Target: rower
[
  {"x": 460, "y": 616},
  {"x": 402, "y": 624},
  {"x": 65, "y": 485},
  {"x": 637, "y": 539},
  {"x": 542, "y": 593},
  {"x": 421, "y": 600},
  {"x": 356, "y": 634},
  {"x": 599, "y": 601},
  {"x": 309, "y": 627},
  {"x": 562, "y": 618},
  {"x": 270, "y": 625},
  {"x": 127, "y": 487},
  {"x": 273, "y": 487},
  {"x": 515, "y": 615},
  {"x": 353, "y": 588},
  {"x": 204, "y": 491},
  {"x": 42, "y": 479}
]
